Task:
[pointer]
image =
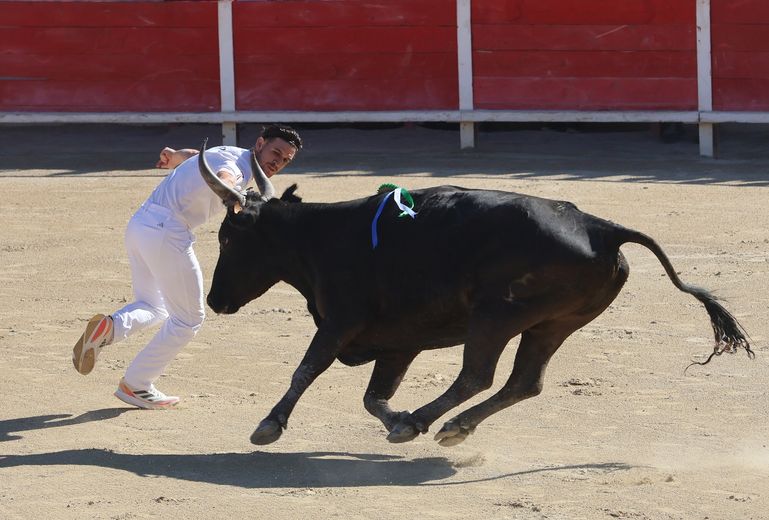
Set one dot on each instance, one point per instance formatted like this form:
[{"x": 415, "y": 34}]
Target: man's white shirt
[{"x": 184, "y": 191}]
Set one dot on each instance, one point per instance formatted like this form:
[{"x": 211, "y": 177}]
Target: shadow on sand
[
  {"x": 113, "y": 151},
  {"x": 280, "y": 470},
  {"x": 41, "y": 422},
  {"x": 257, "y": 469}
]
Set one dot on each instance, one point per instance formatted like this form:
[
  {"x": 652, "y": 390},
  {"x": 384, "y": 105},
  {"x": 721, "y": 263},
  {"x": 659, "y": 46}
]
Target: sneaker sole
[
  {"x": 133, "y": 401},
  {"x": 84, "y": 354}
]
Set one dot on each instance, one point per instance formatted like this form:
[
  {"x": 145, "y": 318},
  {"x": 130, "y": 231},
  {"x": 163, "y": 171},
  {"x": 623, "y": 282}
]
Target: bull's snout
[{"x": 218, "y": 307}]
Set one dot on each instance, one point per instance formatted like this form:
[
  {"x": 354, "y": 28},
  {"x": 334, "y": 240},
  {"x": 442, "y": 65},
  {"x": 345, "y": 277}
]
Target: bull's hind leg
[
  {"x": 538, "y": 344},
  {"x": 386, "y": 377},
  {"x": 489, "y": 332},
  {"x": 534, "y": 352}
]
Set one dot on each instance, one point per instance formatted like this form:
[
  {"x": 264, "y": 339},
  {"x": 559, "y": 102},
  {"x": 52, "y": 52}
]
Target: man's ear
[{"x": 259, "y": 143}]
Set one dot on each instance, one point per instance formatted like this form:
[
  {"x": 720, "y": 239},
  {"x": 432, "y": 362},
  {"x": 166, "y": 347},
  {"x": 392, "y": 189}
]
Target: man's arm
[
  {"x": 170, "y": 158},
  {"x": 227, "y": 178}
]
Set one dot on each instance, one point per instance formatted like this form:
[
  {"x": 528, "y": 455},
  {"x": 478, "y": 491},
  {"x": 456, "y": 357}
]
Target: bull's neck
[{"x": 288, "y": 226}]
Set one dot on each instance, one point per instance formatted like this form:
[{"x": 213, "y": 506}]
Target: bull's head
[{"x": 247, "y": 266}]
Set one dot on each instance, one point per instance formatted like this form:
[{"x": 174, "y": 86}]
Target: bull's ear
[
  {"x": 289, "y": 195},
  {"x": 243, "y": 217}
]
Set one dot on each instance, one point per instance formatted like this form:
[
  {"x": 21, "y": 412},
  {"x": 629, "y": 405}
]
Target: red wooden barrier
[
  {"x": 334, "y": 55},
  {"x": 109, "y": 56},
  {"x": 584, "y": 55},
  {"x": 740, "y": 51}
]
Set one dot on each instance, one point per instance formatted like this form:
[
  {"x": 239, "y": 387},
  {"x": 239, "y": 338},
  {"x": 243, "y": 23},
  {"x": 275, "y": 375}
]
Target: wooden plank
[
  {"x": 320, "y": 40},
  {"x": 654, "y": 64},
  {"x": 739, "y": 11},
  {"x": 145, "y": 94},
  {"x": 727, "y": 64},
  {"x": 113, "y": 40},
  {"x": 392, "y": 94},
  {"x": 586, "y": 93},
  {"x": 98, "y": 66},
  {"x": 583, "y": 12},
  {"x": 344, "y": 13},
  {"x": 741, "y": 94},
  {"x": 388, "y": 116},
  {"x": 704, "y": 71},
  {"x": 740, "y": 38},
  {"x": 585, "y": 37},
  {"x": 108, "y": 14},
  {"x": 334, "y": 66}
]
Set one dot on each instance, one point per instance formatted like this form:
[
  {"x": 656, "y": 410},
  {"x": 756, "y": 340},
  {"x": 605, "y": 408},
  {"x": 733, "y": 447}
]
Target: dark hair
[{"x": 284, "y": 132}]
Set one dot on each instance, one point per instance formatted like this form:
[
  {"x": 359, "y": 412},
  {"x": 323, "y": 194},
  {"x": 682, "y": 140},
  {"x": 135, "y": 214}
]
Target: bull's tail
[{"x": 729, "y": 334}]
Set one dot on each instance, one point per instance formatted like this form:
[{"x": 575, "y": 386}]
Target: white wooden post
[
  {"x": 465, "y": 71},
  {"x": 227, "y": 70},
  {"x": 704, "y": 77}
]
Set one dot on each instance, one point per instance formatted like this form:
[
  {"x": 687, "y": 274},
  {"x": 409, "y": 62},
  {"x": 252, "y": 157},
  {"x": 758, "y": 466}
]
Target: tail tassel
[{"x": 729, "y": 334}]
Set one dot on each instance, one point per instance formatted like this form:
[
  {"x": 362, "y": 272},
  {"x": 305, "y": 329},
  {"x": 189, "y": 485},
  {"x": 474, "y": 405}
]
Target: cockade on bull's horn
[{"x": 483, "y": 268}]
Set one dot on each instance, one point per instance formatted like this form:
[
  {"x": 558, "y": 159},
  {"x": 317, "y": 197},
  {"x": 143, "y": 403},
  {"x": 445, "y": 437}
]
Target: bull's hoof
[
  {"x": 267, "y": 432},
  {"x": 396, "y": 418},
  {"x": 402, "y": 433},
  {"x": 452, "y": 434}
]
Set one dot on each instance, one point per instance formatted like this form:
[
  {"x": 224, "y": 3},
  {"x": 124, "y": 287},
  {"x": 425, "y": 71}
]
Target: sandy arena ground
[{"x": 619, "y": 431}]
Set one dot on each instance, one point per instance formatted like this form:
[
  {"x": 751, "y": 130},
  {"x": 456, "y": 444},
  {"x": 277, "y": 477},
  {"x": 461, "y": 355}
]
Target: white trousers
[{"x": 168, "y": 289}]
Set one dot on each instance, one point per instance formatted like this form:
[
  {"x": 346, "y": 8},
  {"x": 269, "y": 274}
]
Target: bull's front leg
[
  {"x": 387, "y": 375},
  {"x": 327, "y": 343}
]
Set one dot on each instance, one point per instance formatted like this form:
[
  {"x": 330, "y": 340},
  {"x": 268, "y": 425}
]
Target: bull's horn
[
  {"x": 227, "y": 193},
  {"x": 263, "y": 183}
]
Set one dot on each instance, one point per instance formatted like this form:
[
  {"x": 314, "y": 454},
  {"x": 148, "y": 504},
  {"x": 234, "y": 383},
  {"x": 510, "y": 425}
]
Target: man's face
[{"x": 273, "y": 154}]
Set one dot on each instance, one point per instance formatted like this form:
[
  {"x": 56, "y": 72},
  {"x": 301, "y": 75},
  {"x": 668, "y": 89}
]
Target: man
[{"x": 165, "y": 273}]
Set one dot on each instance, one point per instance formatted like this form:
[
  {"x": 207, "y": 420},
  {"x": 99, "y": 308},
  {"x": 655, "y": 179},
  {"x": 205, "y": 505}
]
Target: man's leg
[
  {"x": 180, "y": 281},
  {"x": 147, "y": 308}
]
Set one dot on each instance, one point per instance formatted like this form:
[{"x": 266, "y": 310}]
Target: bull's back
[
  {"x": 464, "y": 246},
  {"x": 466, "y": 230}
]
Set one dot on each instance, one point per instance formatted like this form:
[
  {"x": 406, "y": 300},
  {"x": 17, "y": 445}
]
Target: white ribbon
[{"x": 408, "y": 211}]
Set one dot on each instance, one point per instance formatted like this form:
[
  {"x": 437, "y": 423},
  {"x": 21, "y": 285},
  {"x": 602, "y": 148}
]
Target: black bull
[{"x": 474, "y": 267}]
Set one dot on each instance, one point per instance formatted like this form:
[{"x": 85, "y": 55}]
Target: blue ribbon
[
  {"x": 374, "y": 238},
  {"x": 405, "y": 211}
]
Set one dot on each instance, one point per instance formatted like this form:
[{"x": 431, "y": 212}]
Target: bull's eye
[{"x": 223, "y": 243}]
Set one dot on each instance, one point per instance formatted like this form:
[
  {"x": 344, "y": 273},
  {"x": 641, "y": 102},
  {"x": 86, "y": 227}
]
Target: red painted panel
[
  {"x": 107, "y": 14},
  {"x": 345, "y": 13},
  {"x": 316, "y": 41},
  {"x": 740, "y": 58},
  {"x": 741, "y": 94},
  {"x": 586, "y": 93},
  {"x": 130, "y": 67},
  {"x": 746, "y": 65},
  {"x": 109, "y": 41},
  {"x": 343, "y": 55},
  {"x": 739, "y": 11},
  {"x": 109, "y": 56},
  {"x": 744, "y": 38},
  {"x": 163, "y": 95},
  {"x": 584, "y": 54},
  {"x": 585, "y": 37},
  {"x": 352, "y": 67},
  {"x": 329, "y": 95},
  {"x": 616, "y": 64},
  {"x": 578, "y": 12}
]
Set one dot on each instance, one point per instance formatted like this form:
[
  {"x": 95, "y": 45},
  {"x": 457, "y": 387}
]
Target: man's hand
[{"x": 170, "y": 158}]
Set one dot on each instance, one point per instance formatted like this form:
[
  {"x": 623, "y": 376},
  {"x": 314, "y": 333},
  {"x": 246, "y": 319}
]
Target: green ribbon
[{"x": 404, "y": 193}]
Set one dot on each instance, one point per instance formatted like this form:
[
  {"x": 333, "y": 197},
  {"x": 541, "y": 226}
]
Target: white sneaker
[
  {"x": 98, "y": 333},
  {"x": 151, "y": 399}
]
